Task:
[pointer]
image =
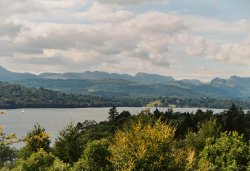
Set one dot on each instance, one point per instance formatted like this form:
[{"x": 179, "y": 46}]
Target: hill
[
  {"x": 6, "y": 75},
  {"x": 142, "y": 78},
  {"x": 16, "y": 96},
  {"x": 110, "y": 88}
]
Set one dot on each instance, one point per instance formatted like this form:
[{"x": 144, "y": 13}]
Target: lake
[{"x": 20, "y": 121}]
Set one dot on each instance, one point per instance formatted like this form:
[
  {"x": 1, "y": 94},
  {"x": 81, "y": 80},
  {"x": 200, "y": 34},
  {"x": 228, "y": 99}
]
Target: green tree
[
  {"x": 234, "y": 119},
  {"x": 95, "y": 157},
  {"x": 206, "y": 130},
  {"x": 68, "y": 146},
  {"x": 7, "y": 153},
  {"x": 39, "y": 161},
  {"x": 228, "y": 152},
  {"x": 35, "y": 140},
  {"x": 113, "y": 114}
]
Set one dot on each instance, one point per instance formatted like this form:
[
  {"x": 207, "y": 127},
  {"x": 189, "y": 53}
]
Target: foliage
[
  {"x": 95, "y": 157},
  {"x": 147, "y": 147},
  {"x": 36, "y": 139},
  {"x": 228, "y": 152},
  {"x": 68, "y": 146},
  {"x": 206, "y": 130},
  {"x": 113, "y": 114},
  {"x": 41, "y": 160},
  {"x": 234, "y": 120},
  {"x": 16, "y": 96},
  {"x": 7, "y": 153},
  {"x": 110, "y": 92},
  {"x": 7, "y": 139},
  {"x": 146, "y": 141}
]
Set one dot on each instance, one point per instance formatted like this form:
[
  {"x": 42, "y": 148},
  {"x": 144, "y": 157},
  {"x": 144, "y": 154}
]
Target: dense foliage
[
  {"x": 16, "y": 96},
  {"x": 152, "y": 141}
]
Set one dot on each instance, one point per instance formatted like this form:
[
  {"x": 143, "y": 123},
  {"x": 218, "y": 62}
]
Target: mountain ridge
[{"x": 114, "y": 84}]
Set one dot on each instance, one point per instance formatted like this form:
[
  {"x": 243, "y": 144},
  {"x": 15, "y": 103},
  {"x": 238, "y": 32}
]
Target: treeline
[
  {"x": 153, "y": 141},
  {"x": 204, "y": 102},
  {"x": 15, "y": 96}
]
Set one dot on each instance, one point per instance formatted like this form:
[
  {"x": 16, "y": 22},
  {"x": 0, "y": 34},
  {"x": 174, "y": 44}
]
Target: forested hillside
[{"x": 16, "y": 96}]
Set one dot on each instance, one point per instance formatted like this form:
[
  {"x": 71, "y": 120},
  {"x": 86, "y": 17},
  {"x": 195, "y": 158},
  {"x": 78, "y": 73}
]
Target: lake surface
[{"x": 20, "y": 121}]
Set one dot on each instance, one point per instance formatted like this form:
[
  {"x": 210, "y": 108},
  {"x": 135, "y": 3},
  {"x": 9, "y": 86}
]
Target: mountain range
[{"x": 123, "y": 85}]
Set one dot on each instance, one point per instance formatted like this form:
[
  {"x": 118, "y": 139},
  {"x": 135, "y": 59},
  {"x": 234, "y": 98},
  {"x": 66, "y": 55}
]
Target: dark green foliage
[
  {"x": 7, "y": 154},
  {"x": 16, "y": 96},
  {"x": 208, "y": 129},
  {"x": 122, "y": 118},
  {"x": 113, "y": 114},
  {"x": 68, "y": 146},
  {"x": 234, "y": 119}
]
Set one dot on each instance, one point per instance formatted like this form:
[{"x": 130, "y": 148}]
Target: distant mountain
[
  {"x": 6, "y": 75},
  {"x": 124, "y": 85},
  {"x": 241, "y": 85},
  {"x": 86, "y": 75},
  {"x": 188, "y": 81},
  {"x": 152, "y": 78},
  {"x": 140, "y": 77}
]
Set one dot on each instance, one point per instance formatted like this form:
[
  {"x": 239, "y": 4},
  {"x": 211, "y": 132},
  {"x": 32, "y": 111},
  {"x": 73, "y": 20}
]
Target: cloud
[
  {"x": 234, "y": 53},
  {"x": 98, "y": 44},
  {"x": 76, "y": 35},
  {"x": 45, "y": 7},
  {"x": 104, "y": 13},
  {"x": 130, "y": 2}
]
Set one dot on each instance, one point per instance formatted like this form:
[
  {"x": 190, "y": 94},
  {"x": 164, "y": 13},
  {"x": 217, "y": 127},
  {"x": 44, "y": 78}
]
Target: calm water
[{"x": 18, "y": 122}]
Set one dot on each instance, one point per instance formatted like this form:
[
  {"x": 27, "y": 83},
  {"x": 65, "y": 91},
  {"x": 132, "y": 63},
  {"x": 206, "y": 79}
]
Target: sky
[{"x": 186, "y": 39}]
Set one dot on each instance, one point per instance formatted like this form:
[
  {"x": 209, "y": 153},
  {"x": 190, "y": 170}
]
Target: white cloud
[
  {"x": 235, "y": 53},
  {"x": 105, "y": 35},
  {"x": 34, "y": 7},
  {"x": 130, "y": 2},
  {"x": 100, "y": 43},
  {"x": 105, "y": 13}
]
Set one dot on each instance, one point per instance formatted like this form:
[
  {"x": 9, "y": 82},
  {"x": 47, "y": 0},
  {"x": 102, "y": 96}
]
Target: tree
[
  {"x": 35, "y": 140},
  {"x": 113, "y": 114},
  {"x": 149, "y": 147},
  {"x": 228, "y": 152},
  {"x": 234, "y": 119},
  {"x": 7, "y": 153},
  {"x": 206, "y": 130},
  {"x": 41, "y": 160},
  {"x": 95, "y": 157},
  {"x": 68, "y": 146}
]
